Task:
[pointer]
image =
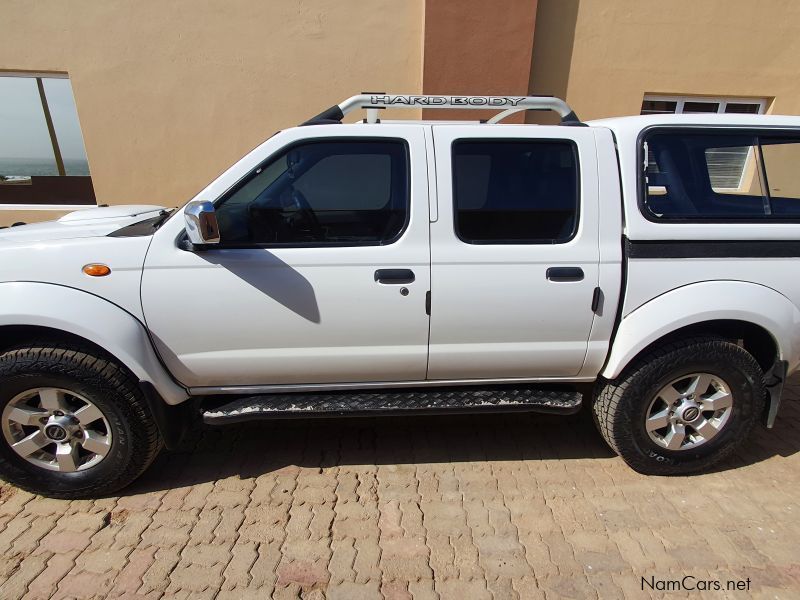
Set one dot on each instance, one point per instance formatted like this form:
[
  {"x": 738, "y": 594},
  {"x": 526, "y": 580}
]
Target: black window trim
[
  {"x": 526, "y": 140},
  {"x": 758, "y": 132},
  {"x": 241, "y": 182}
]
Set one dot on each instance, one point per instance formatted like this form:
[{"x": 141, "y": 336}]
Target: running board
[{"x": 548, "y": 399}]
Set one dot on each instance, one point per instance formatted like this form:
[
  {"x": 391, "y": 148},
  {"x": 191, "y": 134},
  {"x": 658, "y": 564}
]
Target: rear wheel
[
  {"x": 74, "y": 424},
  {"x": 682, "y": 407}
]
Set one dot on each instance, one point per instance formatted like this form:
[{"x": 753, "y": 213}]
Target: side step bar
[{"x": 548, "y": 399}]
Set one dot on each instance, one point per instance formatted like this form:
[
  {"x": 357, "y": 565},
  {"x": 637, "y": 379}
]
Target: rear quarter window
[{"x": 727, "y": 175}]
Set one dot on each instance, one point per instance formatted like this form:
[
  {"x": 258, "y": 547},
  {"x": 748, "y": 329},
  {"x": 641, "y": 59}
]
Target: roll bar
[{"x": 372, "y": 102}]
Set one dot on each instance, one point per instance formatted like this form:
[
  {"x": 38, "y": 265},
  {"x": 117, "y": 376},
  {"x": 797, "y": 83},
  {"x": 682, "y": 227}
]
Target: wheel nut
[
  {"x": 58, "y": 413},
  {"x": 43, "y": 420}
]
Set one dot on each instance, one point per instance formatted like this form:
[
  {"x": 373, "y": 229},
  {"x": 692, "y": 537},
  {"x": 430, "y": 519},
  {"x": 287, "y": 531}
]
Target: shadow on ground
[{"x": 253, "y": 449}]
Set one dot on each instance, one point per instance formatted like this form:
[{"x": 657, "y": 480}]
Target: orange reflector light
[{"x": 96, "y": 270}]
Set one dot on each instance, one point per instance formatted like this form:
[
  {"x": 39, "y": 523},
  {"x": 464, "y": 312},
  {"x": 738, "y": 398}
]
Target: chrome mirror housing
[{"x": 202, "y": 226}]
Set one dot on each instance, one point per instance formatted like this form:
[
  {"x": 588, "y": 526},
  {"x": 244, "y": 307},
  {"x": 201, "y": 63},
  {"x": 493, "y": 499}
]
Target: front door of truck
[
  {"x": 322, "y": 270},
  {"x": 514, "y": 251}
]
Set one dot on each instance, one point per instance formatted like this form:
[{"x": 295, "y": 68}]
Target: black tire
[
  {"x": 135, "y": 437},
  {"x": 620, "y": 406}
]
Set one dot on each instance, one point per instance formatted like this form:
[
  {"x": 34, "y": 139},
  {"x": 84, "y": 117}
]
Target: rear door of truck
[{"x": 514, "y": 251}]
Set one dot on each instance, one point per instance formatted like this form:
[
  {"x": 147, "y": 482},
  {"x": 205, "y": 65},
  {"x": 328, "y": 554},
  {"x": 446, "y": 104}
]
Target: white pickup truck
[{"x": 648, "y": 264}]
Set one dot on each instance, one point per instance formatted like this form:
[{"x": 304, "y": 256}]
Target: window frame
[
  {"x": 519, "y": 140},
  {"x": 245, "y": 179},
  {"x": 757, "y": 132},
  {"x": 6, "y": 206}
]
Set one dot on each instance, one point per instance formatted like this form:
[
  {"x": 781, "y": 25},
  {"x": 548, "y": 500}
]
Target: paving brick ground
[{"x": 495, "y": 506}]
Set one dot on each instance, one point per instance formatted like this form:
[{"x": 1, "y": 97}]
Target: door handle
[
  {"x": 565, "y": 274},
  {"x": 394, "y": 276}
]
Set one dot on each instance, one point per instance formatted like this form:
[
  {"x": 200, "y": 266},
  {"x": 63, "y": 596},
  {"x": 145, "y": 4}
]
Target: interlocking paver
[
  {"x": 45, "y": 583},
  {"x": 524, "y": 506}
]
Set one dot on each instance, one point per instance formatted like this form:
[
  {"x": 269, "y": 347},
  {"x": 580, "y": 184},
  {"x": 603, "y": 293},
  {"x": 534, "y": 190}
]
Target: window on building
[
  {"x": 684, "y": 180},
  {"x": 515, "y": 192},
  {"x": 339, "y": 192},
  {"x": 42, "y": 157},
  {"x": 728, "y": 166}
]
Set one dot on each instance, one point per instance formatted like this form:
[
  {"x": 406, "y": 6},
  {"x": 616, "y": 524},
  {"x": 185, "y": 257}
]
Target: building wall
[
  {"x": 471, "y": 47},
  {"x": 602, "y": 56},
  {"x": 169, "y": 94},
  {"x": 10, "y": 217}
]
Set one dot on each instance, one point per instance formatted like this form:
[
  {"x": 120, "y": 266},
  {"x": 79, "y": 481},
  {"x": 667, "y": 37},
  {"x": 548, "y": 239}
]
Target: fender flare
[
  {"x": 93, "y": 318},
  {"x": 707, "y": 301}
]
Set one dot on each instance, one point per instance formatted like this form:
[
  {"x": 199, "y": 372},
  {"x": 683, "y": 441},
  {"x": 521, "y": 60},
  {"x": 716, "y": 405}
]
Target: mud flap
[
  {"x": 173, "y": 421},
  {"x": 774, "y": 378}
]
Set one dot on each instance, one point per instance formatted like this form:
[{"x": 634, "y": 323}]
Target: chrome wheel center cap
[
  {"x": 690, "y": 414},
  {"x": 60, "y": 429},
  {"x": 56, "y": 433}
]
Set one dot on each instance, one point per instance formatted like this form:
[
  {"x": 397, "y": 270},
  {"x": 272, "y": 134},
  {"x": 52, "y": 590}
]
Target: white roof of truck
[{"x": 635, "y": 124}]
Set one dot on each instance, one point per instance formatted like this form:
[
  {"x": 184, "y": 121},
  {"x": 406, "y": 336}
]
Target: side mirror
[{"x": 202, "y": 226}]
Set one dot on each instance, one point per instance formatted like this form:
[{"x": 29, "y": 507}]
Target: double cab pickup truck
[{"x": 646, "y": 266}]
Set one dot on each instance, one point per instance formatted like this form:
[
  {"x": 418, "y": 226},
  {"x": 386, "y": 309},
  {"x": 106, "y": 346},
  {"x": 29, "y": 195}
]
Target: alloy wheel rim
[
  {"x": 689, "y": 411},
  {"x": 56, "y": 429}
]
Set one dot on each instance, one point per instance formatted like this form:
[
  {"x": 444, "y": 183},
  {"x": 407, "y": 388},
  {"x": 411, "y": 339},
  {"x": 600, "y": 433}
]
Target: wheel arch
[
  {"x": 29, "y": 311},
  {"x": 765, "y": 321},
  {"x": 13, "y": 336}
]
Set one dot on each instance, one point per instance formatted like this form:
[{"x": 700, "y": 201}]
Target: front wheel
[
  {"x": 74, "y": 423},
  {"x": 682, "y": 407}
]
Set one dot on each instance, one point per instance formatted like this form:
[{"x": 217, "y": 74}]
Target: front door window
[{"x": 351, "y": 192}]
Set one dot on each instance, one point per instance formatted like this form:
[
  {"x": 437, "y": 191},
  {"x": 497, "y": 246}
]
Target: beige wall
[
  {"x": 781, "y": 163},
  {"x": 471, "y": 47},
  {"x": 9, "y": 217},
  {"x": 171, "y": 93},
  {"x": 602, "y": 56}
]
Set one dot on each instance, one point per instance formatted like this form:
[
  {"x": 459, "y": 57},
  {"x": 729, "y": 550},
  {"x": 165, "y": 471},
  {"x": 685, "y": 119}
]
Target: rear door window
[{"x": 515, "y": 192}]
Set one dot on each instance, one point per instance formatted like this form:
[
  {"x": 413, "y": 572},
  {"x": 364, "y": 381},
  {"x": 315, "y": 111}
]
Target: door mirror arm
[{"x": 202, "y": 227}]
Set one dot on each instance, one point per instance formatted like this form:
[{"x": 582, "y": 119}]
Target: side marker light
[{"x": 96, "y": 270}]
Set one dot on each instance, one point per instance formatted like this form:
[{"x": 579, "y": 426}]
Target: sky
[{"x": 23, "y": 131}]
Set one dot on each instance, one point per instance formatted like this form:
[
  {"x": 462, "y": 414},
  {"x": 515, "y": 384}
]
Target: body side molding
[{"x": 713, "y": 249}]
